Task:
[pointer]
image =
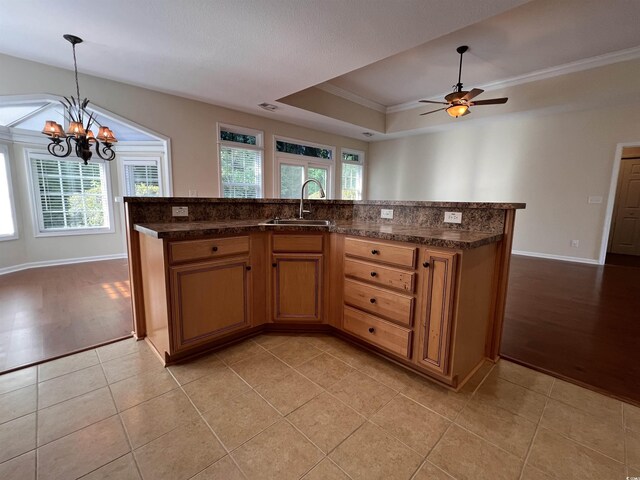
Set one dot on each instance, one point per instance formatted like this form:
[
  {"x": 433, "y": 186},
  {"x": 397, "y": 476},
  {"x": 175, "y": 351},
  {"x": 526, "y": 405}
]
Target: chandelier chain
[{"x": 75, "y": 67}]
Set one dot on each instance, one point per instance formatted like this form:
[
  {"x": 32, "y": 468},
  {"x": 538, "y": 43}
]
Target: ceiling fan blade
[
  {"x": 431, "y": 101},
  {"x": 433, "y": 111},
  {"x": 490, "y": 101},
  {"x": 473, "y": 93}
]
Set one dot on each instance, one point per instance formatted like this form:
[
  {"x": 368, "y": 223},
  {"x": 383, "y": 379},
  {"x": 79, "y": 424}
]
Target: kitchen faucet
[{"x": 302, "y": 210}]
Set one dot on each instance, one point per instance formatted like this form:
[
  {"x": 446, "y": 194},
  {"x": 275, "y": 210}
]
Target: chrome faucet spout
[{"x": 322, "y": 195}]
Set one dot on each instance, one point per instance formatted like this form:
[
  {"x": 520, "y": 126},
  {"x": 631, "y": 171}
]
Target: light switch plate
[
  {"x": 595, "y": 199},
  {"x": 452, "y": 217},
  {"x": 575, "y": 243},
  {"x": 180, "y": 211},
  {"x": 386, "y": 213}
]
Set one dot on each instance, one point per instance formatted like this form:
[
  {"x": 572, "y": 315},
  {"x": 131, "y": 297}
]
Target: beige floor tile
[
  {"x": 149, "y": 420},
  {"x": 135, "y": 390},
  {"x": 479, "y": 375},
  {"x": 65, "y": 365},
  {"x": 507, "y": 430},
  {"x": 362, "y": 393},
  {"x": 352, "y": 356},
  {"x": 591, "y": 402},
  {"x": 466, "y": 456},
  {"x": 239, "y": 351},
  {"x": 428, "y": 471},
  {"x": 631, "y": 417},
  {"x": 179, "y": 454},
  {"x": 279, "y": 453},
  {"x": 509, "y": 396},
  {"x": 19, "y": 468},
  {"x": 17, "y": 437},
  {"x": 592, "y": 431},
  {"x": 261, "y": 368},
  {"x": 123, "y": 468},
  {"x": 633, "y": 472},
  {"x": 371, "y": 453},
  {"x": 271, "y": 340},
  {"x": 411, "y": 423},
  {"x": 525, "y": 377},
  {"x": 223, "y": 469},
  {"x": 326, "y": 470},
  {"x": 289, "y": 392},
  {"x": 632, "y": 440},
  {"x": 439, "y": 399},
  {"x": 70, "y": 385},
  {"x": 131, "y": 365},
  {"x": 194, "y": 369},
  {"x": 532, "y": 473},
  {"x": 325, "y": 370},
  {"x": 121, "y": 348},
  {"x": 560, "y": 457},
  {"x": 19, "y": 402},
  {"x": 238, "y": 419},
  {"x": 18, "y": 379},
  {"x": 326, "y": 421},
  {"x": 82, "y": 451},
  {"x": 208, "y": 391},
  {"x": 295, "y": 351},
  {"x": 66, "y": 417},
  {"x": 323, "y": 342},
  {"x": 388, "y": 374}
]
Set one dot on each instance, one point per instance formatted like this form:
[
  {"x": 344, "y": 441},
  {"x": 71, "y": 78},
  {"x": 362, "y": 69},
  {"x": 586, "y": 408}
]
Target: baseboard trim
[
  {"x": 590, "y": 261},
  {"x": 65, "y": 261}
]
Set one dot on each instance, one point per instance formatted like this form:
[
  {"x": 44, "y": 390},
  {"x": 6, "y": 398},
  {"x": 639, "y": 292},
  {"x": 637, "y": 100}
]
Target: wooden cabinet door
[
  {"x": 297, "y": 287},
  {"x": 436, "y": 317},
  {"x": 209, "y": 299}
]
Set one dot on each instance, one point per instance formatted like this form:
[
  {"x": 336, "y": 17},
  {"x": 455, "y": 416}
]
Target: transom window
[
  {"x": 297, "y": 162},
  {"x": 240, "y": 151},
  {"x": 352, "y": 174},
  {"x": 69, "y": 196},
  {"x": 304, "y": 150}
]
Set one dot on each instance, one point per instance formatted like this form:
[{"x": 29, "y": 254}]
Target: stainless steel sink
[{"x": 298, "y": 221}]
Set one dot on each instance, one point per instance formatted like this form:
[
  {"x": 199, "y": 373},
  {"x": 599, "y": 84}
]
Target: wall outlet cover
[
  {"x": 575, "y": 243},
  {"x": 386, "y": 213},
  {"x": 180, "y": 211},
  {"x": 452, "y": 217},
  {"x": 595, "y": 199}
]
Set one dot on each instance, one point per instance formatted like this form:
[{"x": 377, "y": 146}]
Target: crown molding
[
  {"x": 577, "y": 66},
  {"x": 339, "y": 92}
]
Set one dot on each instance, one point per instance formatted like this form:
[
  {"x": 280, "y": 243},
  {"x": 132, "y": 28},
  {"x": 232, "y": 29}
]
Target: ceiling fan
[{"x": 458, "y": 102}]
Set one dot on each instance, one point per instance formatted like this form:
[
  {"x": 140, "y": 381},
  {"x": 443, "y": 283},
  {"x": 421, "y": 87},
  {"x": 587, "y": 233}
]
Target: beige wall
[
  {"x": 191, "y": 126},
  {"x": 553, "y": 162}
]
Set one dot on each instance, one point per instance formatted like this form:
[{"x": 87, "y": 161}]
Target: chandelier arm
[
  {"x": 57, "y": 148},
  {"x": 105, "y": 151}
]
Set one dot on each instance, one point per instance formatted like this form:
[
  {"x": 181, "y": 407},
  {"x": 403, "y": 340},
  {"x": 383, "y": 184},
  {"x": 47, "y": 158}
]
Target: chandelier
[{"x": 80, "y": 123}]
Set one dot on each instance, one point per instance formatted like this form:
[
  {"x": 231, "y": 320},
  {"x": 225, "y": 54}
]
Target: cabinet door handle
[
  {"x": 248, "y": 268},
  {"x": 372, "y": 300},
  {"x": 374, "y": 252},
  {"x": 214, "y": 249},
  {"x": 425, "y": 264},
  {"x": 372, "y": 330},
  {"x": 373, "y": 274}
]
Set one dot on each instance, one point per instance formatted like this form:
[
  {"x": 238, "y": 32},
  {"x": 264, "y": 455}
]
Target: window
[
  {"x": 240, "y": 162},
  {"x": 141, "y": 178},
  {"x": 7, "y": 211},
  {"x": 70, "y": 197},
  {"x": 352, "y": 174},
  {"x": 298, "y": 162}
]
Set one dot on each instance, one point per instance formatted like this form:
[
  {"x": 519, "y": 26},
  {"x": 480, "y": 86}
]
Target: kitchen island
[{"x": 425, "y": 294}]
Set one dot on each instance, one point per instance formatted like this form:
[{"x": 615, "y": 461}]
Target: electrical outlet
[
  {"x": 180, "y": 211},
  {"x": 594, "y": 199},
  {"x": 193, "y": 193},
  {"x": 452, "y": 217},
  {"x": 386, "y": 213},
  {"x": 575, "y": 243}
]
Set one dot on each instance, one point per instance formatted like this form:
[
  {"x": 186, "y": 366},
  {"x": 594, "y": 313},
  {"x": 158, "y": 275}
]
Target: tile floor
[{"x": 312, "y": 407}]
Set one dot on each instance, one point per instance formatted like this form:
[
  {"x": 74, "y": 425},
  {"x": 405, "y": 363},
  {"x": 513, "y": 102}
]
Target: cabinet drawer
[
  {"x": 377, "y": 331},
  {"x": 394, "y": 306},
  {"x": 383, "y": 276},
  {"x": 381, "y": 252},
  {"x": 297, "y": 243},
  {"x": 206, "y": 249}
]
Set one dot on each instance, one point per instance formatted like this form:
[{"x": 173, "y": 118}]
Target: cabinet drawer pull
[
  {"x": 248, "y": 268},
  {"x": 372, "y": 300},
  {"x": 372, "y": 330},
  {"x": 214, "y": 249},
  {"x": 374, "y": 252},
  {"x": 274, "y": 264},
  {"x": 373, "y": 274},
  {"x": 425, "y": 264}
]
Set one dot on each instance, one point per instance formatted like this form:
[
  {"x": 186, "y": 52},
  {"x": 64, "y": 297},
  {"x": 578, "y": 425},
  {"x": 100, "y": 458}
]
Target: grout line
[{"x": 535, "y": 433}]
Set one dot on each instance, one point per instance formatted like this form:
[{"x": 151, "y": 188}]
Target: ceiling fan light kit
[{"x": 458, "y": 102}]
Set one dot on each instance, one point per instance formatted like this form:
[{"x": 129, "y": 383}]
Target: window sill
[{"x": 70, "y": 232}]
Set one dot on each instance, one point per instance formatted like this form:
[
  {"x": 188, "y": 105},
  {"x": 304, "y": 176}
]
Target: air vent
[
  {"x": 268, "y": 106},
  {"x": 367, "y": 134}
]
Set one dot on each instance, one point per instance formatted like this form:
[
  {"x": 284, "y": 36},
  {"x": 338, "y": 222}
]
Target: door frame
[{"x": 611, "y": 199}]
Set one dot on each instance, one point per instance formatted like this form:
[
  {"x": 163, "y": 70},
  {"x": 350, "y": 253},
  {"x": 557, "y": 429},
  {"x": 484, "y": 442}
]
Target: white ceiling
[{"x": 238, "y": 53}]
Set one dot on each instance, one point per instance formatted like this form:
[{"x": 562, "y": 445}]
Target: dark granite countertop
[{"x": 447, "y": 238}]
